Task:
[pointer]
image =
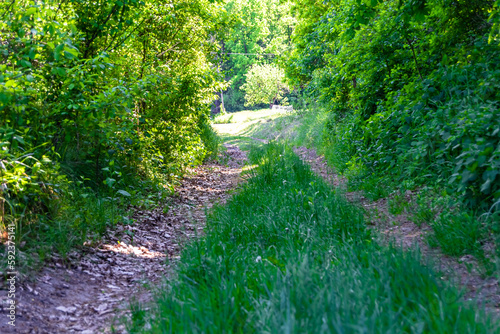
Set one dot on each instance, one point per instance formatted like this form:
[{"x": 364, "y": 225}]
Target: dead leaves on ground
[{"x": 98, "y": 285}]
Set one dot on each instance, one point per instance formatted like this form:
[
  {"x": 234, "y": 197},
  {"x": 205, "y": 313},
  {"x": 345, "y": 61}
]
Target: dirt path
[
  {"x": 400, "y": 230},
  {"x": 89, "y": 294}
]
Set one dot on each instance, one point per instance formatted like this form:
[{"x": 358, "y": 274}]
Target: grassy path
[{"x": 289, "y": 255}]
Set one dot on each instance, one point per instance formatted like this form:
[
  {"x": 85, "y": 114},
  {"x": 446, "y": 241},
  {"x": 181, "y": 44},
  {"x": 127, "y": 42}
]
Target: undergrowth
[
  {"x": 50, "y": 209},
  {"x": 288, "y": 254},
  {"x": 76, "y": 101}
]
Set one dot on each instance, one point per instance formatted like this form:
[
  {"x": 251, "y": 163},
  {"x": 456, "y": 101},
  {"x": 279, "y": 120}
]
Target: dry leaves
[{"x": 88, "y": 294}]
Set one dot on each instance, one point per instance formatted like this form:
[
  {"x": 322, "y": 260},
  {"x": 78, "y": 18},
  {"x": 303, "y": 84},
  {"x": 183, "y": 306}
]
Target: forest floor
[{"x": 92, "y": 291}]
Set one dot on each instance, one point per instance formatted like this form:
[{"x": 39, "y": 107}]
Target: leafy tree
[
  {"x": 116, "y": 92},
  {"x": 264, "y": 84},
  {"x": 262, "y": 32},
  {"x": 414, "y": 79}
]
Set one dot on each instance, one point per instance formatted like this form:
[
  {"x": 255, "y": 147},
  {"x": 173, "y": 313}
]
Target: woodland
[{"x": 106, "y": 105}]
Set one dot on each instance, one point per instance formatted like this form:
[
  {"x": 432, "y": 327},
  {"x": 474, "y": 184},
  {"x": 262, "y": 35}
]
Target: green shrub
[
  {"x": 88, "y": 93},
  {"x": 412, "y": 88},
  {"x": 450, "y": 136},
  {"x": 211, "y": 141}
]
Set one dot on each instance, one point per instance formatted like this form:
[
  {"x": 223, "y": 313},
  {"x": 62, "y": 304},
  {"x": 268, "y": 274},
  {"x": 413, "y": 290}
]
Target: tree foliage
[
  {"x": 261, "y": 32},
  {"x": 418, "y": 82},
  {"x": 101, "y": 89},
  {"x": 264, "y": 84}
]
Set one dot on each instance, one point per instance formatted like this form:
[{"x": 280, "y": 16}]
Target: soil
[
  {"x": 93, "y": 291},
  {"x": 464, "y": 272}
]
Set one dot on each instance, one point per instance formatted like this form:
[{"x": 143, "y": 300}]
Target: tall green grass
[
  {"x": 457, "y": 229},
  {"x": 288, "y": 255}
]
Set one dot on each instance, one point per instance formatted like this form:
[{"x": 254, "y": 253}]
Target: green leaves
[
  {"x": 100, "y": 82},
  {"x": 417, "y": 79},
  {"x": 264, "y": 84},
  {"x": 260, "y": 33},
  {"x": 123, "y": 193},
  {"x": 494, "y": 19}
]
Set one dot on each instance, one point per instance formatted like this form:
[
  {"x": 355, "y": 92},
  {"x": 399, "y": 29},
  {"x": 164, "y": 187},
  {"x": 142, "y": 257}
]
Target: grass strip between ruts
[{"x": 288, "y": 255}]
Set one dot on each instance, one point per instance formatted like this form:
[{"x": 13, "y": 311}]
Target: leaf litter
[{"x": 94, "y": 290}]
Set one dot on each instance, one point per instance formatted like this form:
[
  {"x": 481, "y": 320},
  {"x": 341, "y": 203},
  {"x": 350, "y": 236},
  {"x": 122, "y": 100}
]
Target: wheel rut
[{"x": 92, "y": 291}]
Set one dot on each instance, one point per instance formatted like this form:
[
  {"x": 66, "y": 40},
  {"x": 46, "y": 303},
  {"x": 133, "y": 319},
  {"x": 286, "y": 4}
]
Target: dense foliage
[
  {"x": 261, "y": 33},
  {"x": 108, "y": 92},
  {"x": 412, "y": 87},
  {"x": 264, "y": 84}
]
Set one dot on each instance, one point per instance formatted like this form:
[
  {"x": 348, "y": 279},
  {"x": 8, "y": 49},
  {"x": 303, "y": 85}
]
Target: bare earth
[
  {"x": 94, "y": 290},
  {"x": 400, "y": 230}
]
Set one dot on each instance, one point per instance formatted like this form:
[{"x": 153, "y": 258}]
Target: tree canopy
[
  {"x": 107, "y": 92},
  {"x": 261, "y": 33},
  {"x": 264, "y": 84}
]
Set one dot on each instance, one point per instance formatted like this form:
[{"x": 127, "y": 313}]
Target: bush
[
  {"x": 100, "y": 103},
  {"x": 412, "y": 88}
]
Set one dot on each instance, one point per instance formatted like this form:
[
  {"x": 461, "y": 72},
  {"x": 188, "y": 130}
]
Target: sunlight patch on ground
[
  {"x": 251, "y": 127},
  {"x": 138, "y": 251},
  {"x": 242, "y": 119}
]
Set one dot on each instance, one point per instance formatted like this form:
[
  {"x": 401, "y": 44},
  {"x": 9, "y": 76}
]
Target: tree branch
[
  {"x": 415, "y": 58},
  {"x": 128, "y": 36},
  {"x": 96, "y": 32},
  {"x": 8, "y": 8}
]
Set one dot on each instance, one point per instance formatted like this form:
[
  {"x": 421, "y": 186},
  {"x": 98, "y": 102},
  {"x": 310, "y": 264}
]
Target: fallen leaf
[{"x": 69, "y": 310}]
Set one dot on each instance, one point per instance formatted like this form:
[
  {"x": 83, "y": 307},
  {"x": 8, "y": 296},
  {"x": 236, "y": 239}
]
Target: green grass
[
  {"x": 223, "y": 119},
  {"x": 246, "y": 126},
  {"x": 314, "y": 128},
  {"x": 244, "y": 143},
  {"x": 248, "y": 116},
  {"x": 287, "y": 254},
  {"x": 458, "y": 233},
  {"x": 301, "y": 128},
  {"x": 81, "y": 217}
]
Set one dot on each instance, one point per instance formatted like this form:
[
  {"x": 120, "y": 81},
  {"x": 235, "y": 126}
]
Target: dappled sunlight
[
  {"x": 137, "y": 251},
  {"x": 141, "y": 250},
  {"x": 248, "y": 127},
  {"x": 241, "y": 120}
]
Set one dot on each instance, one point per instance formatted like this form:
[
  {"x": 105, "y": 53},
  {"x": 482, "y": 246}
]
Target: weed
[
  {"x": 458, "y": 233},
  {"x": 398, "y": 204}
]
